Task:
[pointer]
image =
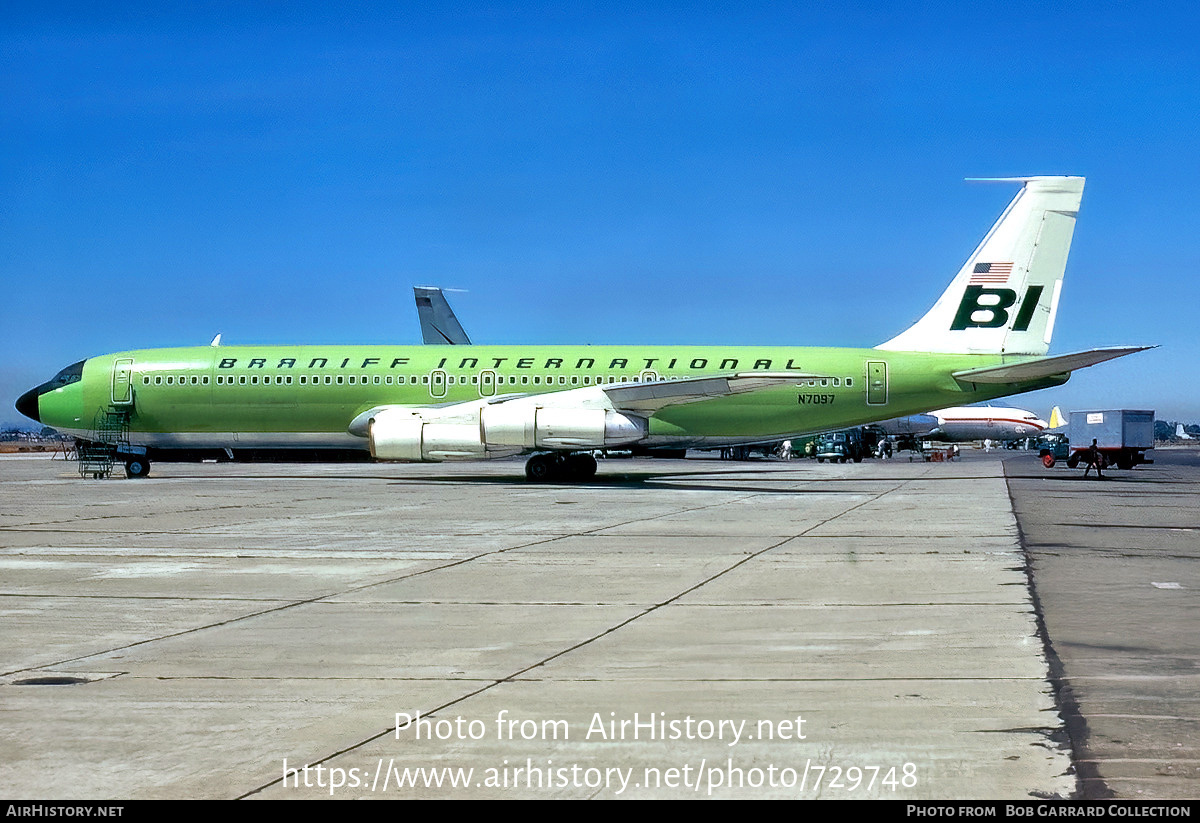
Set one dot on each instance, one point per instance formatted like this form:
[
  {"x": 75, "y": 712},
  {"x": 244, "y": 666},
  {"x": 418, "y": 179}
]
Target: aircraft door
[
  {"x": 648, "y": 376},
  {"x": 437, "y": 383},
  {"x": 877, "y": 383},
  {"x": 122, "y": 382},
  {"x": 487, "y": 383}
]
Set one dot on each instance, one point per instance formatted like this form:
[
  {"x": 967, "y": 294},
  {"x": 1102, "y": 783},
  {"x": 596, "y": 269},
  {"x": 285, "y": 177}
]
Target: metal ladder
[{"x": 110, "y": 434}]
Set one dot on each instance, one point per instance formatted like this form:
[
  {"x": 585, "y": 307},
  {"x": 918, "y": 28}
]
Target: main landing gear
[{"x": 571, "y": 468}]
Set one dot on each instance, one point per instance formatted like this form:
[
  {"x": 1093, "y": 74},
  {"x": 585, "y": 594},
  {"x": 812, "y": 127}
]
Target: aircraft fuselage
[{"x": 305, "y": 397}]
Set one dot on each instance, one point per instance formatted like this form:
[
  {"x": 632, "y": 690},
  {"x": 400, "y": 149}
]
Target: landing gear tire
[
  {"x": 137, "y": 467},
  {"x": 573, "y": 468},
  {"x": 580, "y": 467},
  {"x": 541, "y": 468}
]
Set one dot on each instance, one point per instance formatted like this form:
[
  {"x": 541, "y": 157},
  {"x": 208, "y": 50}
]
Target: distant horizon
[{"x": 31, "y": 426}]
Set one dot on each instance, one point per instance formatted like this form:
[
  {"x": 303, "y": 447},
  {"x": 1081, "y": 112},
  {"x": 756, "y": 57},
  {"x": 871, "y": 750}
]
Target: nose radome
[{"x": 27, "y": 404}]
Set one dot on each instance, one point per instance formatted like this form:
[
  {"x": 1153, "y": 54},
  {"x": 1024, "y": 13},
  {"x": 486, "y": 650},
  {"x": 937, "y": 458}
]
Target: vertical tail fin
[
  {"x": 1057, "y": 421},
  {"x": 1005, "y": 296},
  {"x": 438, "y": 323}
]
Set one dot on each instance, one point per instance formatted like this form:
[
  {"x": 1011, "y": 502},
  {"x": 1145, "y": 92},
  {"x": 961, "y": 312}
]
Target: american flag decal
[{"x": 990, "y": 274}]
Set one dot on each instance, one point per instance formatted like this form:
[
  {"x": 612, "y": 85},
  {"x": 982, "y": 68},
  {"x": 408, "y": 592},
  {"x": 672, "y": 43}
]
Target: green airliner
[{"x": 986, "y": 337}]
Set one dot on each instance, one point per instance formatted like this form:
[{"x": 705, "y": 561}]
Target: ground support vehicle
[
  {"x": 838, "y": 447},
  {"x": 1053, "y": 447},
  {"x": 1123, "y": 436}
]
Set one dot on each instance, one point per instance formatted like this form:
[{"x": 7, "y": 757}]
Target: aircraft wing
[
  {"x": 914, "y": 425},
  {"x": 1044, "y": 366},
  {"x": 650, "y": 396},
  {"x": 642, "y": 398}
]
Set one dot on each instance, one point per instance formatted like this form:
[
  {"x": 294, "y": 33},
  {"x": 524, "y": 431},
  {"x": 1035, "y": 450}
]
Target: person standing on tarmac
[{"x": 1094, "y": 459}]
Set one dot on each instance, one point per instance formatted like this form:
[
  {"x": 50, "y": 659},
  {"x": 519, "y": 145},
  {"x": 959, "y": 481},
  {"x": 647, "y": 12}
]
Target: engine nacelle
[
  {"x": 497, "y": 430},
  {"x": 530, "y": 427},
  {"x": 396, "y": 434}
]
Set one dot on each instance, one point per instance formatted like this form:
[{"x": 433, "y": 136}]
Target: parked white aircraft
[{"x": 963, "y": 423}]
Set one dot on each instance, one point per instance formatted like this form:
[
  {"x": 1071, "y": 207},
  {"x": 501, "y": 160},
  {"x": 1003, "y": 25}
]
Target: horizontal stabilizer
[
  {"x": 650, "y": 396},
  {"x": 1045, "y": 366}
]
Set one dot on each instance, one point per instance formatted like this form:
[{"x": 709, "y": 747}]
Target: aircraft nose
[{"x": 27, "y": 404}]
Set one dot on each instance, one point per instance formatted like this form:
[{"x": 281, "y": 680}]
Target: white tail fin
[
  {"x": 1057, "y": 421},
  {"x": 1005, "y": 297}
]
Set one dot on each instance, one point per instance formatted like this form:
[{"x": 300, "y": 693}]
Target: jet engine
[{"x": 497, "y": 430}]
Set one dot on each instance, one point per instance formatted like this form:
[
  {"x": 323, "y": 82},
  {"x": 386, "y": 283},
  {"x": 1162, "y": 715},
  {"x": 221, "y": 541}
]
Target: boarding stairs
[{"x": 109, "y": 436}]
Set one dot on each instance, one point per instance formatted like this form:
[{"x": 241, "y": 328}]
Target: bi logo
[{"x": 995, "y": 311}]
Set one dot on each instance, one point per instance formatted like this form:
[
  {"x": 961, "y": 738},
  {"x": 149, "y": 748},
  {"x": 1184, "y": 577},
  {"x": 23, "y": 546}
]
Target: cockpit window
[{"x": 71, "y": 374}]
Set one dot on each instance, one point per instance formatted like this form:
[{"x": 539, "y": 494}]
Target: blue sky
[{"x": 700, "y": 173}]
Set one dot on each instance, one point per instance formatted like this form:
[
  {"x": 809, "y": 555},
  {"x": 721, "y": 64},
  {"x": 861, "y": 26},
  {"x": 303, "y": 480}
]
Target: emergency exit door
[{"x": 877, "y": 383}]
